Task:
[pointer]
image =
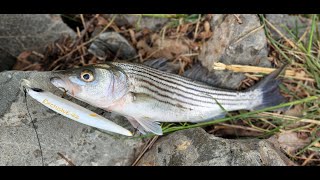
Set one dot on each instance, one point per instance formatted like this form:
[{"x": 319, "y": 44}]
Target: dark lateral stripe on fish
[
  {"x": 177, "y": 78},
  {"x": 170, "y": 83},
  {"x": 169, "y": 98},
  {"x": 176, "y": 100},
  {"x": 170, "y": 76},
  {"x": 206, "y": 96},
  {"x": 165, "y": 88},
  {"x": 167, "y": 102},
  {"x": 181, "y": 79},
  {"x": 140, "y": 78},
  {"x": 212, "y": 91},
  {"x": 160, "y": 90},
  {"x": 183, "y": 102},
  {"x": 186, "y": 92},
  {"x": 211, "y": 102}
]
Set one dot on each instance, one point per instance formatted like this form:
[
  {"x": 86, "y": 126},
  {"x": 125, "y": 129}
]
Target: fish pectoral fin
[{"x": 150, "y": 126}]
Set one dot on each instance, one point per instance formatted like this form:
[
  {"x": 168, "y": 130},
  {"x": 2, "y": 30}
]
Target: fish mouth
[
  {"x": 61, "y": 84},
  {"x": 64, "y": 85},
  {"x": 58, "y": 82}
]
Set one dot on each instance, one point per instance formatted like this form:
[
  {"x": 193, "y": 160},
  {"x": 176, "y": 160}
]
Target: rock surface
[
  {"x": 112, "y": 43},
  {"x": 296, "y": 24},
  {"x": 194, "y": 147},
  {"x": 81, "y": 144},
  {"x": 233, "y": 43},
  {"x": 6, "y": 60},
  {"x": 21, "y": 32}
]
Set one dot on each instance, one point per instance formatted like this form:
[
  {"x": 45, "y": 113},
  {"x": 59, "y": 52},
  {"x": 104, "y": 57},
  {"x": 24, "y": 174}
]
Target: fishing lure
[{"x": 73, "y": 111}]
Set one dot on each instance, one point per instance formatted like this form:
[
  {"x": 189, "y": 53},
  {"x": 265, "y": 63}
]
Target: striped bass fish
[{"x": 147, "y": 96}]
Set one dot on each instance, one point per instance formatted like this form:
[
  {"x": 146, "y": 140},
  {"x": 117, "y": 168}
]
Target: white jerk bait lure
[{"x": 73, "y": 111}]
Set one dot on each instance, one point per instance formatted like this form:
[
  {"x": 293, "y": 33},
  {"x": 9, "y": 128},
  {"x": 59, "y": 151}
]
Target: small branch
[
  {"x": 85, "y": 30},
  {"x": 248, "y": 34},
  {"x": 279, "y": 32},
  {"x": 241, "y": 127},
  {"x": 308, "y": 159},
  {"x": 256, "y": 69},
  {"x": 292, "y": 118},
  {"x": 238, "y": 18},
  {"x": 66, "y": 159},
  {"x": 83, "y": 44},
  {"x": 148, "y": 146}
]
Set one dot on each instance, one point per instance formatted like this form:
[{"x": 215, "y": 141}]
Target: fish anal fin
[
  {"x": 150, "y": 125},
  {"x": 136, "y": 125},
  {"x": 133, "y": 122}
]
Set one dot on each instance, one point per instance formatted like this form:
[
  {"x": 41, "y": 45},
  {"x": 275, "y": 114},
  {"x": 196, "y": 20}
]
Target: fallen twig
[
  {"x": 238, "y": 18},
  {"x": 279, "y": 32},
  {"x": 66, "y": 159},
  {"x": 83, "y": 44},
  {"x": 256, "y": 69},
  {"x": 144, "y": 150}
]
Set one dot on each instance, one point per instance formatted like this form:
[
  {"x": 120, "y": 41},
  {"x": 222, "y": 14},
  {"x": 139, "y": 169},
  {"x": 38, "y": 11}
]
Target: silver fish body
[{"x": 147, "y": 96}]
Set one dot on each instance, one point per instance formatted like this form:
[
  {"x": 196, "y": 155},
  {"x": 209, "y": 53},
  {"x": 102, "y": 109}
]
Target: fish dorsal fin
[{"x": 150, "y": 126}]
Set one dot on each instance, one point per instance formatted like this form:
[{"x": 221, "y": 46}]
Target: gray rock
[
  {"x": 296, "y": 24},
  {"x": 6, "y": 60},
  {"x": 21, "y": 32},
  {"x": 112, "y": 43},
  {"x": 234, "y": 43},
  {"x": 138, "y": 22},
  {"x": 195, "y": 147},
  {"x": 81, "y": 144}
]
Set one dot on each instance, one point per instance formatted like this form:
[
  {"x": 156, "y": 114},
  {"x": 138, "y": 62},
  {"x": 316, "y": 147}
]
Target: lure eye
[{"x": 87, "y": 76}]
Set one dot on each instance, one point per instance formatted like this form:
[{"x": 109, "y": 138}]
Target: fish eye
[{"x": 87, "y": 76}]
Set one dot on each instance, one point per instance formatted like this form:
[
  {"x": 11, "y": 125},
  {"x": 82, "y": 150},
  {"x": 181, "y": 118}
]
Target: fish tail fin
[{"x": 268, "y": 90}]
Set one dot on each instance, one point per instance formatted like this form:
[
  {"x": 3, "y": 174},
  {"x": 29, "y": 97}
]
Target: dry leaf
[
  {"x": 23, "y": 60},
  {"x": 206, "y": 33},
  {"x": 206, "y": 27},
  {"x": 290, "y": 142},
  {"x": 24, "y": 55},
  {"x": 143, "y": 48},
  {"x": 184, "y": 28},
  {"x": 133, "y": 37},
  {"x": 295, "y": 111},
  {"x": 162, "y": 48},
  {"x": 102, "y": 21}
]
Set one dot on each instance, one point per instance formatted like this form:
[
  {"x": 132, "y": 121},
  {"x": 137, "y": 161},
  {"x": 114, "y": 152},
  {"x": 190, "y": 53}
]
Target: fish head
[{"x": 99, "y": 85}]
